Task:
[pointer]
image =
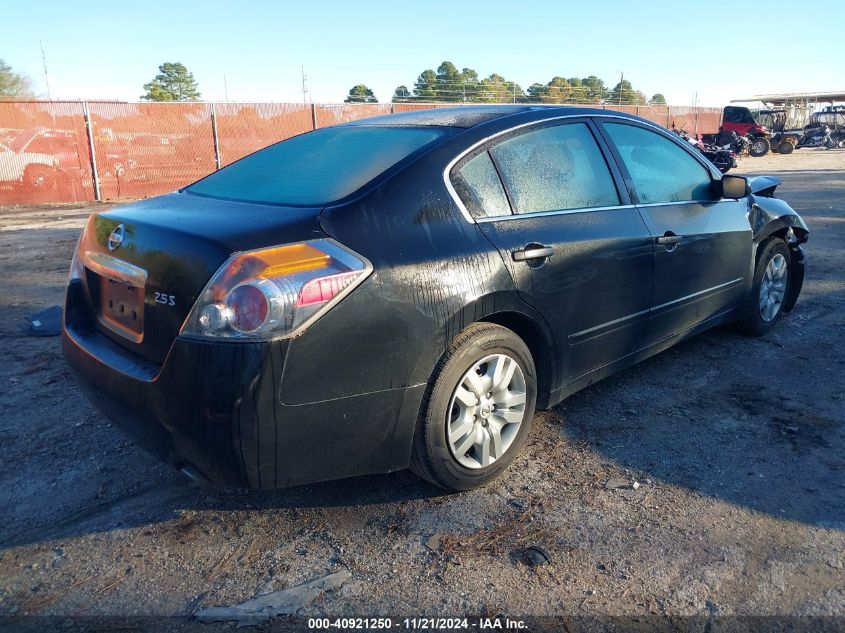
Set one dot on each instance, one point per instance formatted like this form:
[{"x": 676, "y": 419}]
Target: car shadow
[{"x": 718, "y": 417}]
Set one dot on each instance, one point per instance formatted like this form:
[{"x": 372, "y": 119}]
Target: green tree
[
  {"x": 360, "y": 94},
  {"x": 577, "y": 91},
  {"x": 657, "y": 99},
  {"x": 425, "y": 87},
  {"x": 450, "y": 83},
  {"x": 537, "y": 93},
  {"x": 596, "y": 90},
  {"x": 401, "y": 94},
  {"x": 13, "y": 85},
  {"x": 173, "y": 83},
  {"x": 497, "y": 89},
  {"x": 558, "y": 90},
  {"x": 623, "y": 93},
  {"x": 469, "y": 84}
]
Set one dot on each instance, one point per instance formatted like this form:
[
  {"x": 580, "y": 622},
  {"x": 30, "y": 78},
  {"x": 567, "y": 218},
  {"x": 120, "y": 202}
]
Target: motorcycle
[
  {"x": 724, "y": 158},
  {"x": 739, "y": 145},
  {"x": 822, "y": 136}
]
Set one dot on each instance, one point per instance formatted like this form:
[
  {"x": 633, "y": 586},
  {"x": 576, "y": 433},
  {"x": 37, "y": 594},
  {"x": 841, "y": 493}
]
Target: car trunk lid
[{"x": 146, "y": 263}]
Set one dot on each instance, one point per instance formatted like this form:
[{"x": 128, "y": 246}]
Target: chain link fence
[{"x": 71, "y": 151}]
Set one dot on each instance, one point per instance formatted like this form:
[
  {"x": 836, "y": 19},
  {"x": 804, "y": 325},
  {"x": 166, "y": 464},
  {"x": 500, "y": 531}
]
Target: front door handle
[
  {"x": 669, "y": 239},
  {"x": 536, "y": 251}
]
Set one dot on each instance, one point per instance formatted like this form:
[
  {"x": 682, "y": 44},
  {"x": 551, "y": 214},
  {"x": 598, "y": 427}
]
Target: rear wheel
[
  {"x": 760, "y": 146},
  {"x": 771, "y": 287},
  {"x": 786, "y": 147},
  {"x": 477, "y": 409}
]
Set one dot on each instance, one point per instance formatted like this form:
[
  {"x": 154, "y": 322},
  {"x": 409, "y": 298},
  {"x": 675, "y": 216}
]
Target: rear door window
[
  {"x": 480, "y": 188},
  {"x": 555, "y": 168},
  {"x": 661, "y": 170}
]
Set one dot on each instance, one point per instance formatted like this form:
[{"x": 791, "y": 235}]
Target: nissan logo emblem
[{"x": 116, "y": 237}]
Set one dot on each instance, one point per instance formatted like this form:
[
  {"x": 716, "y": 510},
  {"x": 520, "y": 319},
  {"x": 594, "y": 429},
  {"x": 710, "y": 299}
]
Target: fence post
[
  {"x": 214, "y": 136},
  {"x": 89, "y": 130},
  {"x": 314, "y": 116}
]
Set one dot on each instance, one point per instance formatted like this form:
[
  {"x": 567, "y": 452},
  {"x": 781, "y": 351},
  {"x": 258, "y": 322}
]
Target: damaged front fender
[{"x": 769, "y": 216}]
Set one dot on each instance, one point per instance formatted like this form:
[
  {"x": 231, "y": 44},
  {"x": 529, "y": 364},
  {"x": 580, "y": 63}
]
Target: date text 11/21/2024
[{"x": 418, "y": 624}]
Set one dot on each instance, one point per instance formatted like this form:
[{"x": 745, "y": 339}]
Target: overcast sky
[{"x": 720, "y": 50}]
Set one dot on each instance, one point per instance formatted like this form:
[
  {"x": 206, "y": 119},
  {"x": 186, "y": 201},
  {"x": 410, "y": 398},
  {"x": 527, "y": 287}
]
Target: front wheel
[
  {"x": 771, "y": 287},
  {"x": 477, "y": 409},
  {"x": 760, "y": 146}
]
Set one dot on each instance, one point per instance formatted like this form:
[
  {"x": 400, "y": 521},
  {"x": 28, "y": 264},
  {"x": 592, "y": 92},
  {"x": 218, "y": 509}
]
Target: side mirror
[{"x": 734, "y": 187}]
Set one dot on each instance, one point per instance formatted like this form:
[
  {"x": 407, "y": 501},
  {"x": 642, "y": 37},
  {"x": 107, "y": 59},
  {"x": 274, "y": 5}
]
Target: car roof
[{"x": 468, "y": 116}]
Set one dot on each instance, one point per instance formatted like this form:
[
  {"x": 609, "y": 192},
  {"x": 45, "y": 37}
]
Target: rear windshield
[{"x": 316, "y": 168}]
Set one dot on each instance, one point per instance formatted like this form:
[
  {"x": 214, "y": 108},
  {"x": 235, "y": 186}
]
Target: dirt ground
[{"x": 737, "y": 444}]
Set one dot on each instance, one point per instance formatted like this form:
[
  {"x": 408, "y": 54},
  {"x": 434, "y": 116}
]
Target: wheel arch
[
  {"x": 508, "y": 310},
  {"x": 538, "y": 343}
]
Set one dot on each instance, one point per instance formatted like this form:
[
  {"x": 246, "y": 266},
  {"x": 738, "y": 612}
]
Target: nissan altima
[{"x": 405, "y": 291}]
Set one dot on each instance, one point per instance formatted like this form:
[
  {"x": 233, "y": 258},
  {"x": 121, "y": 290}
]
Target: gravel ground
[{"x": 736, "y": 443}]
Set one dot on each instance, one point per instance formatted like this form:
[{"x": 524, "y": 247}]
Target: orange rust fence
[{"x": 78, "y": 151}]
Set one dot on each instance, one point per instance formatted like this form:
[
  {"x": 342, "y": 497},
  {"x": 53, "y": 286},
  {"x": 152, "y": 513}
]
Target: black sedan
[{"x": 406, "y": 290}]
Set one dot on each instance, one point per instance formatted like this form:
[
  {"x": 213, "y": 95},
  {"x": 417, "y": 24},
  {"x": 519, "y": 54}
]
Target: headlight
[{"x": 275, "y": 292}]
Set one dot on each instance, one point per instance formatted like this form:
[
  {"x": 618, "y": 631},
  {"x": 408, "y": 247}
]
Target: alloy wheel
[
  {"x": 486, "y": 411},
  {"x": 773, "y": 287}
]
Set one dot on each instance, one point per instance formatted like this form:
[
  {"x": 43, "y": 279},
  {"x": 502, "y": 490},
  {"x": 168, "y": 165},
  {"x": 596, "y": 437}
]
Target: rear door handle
[
  {"x": 535, "y": 252},
  {"x": 669, "y": 239}
]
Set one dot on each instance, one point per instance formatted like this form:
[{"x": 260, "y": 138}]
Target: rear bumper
[{"x": 215, "y": 409}]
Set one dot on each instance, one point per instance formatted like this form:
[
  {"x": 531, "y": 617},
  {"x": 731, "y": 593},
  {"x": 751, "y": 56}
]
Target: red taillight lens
[
  {"x": 276, "y": 291},
  {"x": 250, "y": 307},
  {"x": 324, "y": 288}
]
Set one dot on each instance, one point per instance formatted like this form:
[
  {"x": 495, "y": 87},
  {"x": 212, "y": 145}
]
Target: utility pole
[
  {"x": 621, "y": 80},
  {"x": 46, "y": 76},
  {"x": 225, "y": 90},
  {"x": 514, "y": 92},
  {"x": 304, "y": 89}
]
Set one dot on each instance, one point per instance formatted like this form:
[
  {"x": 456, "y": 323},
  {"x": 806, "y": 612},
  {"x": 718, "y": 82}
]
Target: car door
[
  {"x": 579, "y": 253},
  {"x": 702, "y": 257}
]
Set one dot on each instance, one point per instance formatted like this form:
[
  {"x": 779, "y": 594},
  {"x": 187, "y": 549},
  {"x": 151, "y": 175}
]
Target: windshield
[{"x": 316, "y": 168}]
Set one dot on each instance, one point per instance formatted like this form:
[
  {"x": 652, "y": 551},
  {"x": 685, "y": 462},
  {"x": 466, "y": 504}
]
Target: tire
[
  {"x": 760, "y": 146},
  {"x": 40, "y": 177},
  {"x": 456, "y": 463},
  {"x": 786, "y": 147},
  {"x": 771, "y": 281}
]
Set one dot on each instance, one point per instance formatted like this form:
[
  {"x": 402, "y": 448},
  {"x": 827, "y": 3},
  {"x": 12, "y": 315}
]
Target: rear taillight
[
  {"x": 76, "y": 268},
  {"x": 275, "y": 292}
]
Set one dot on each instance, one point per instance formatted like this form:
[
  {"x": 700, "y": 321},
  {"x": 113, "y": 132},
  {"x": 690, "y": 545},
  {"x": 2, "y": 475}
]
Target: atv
[
  {"x": 782, "y": 140},
  {"x": 740, "y": 120}
]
